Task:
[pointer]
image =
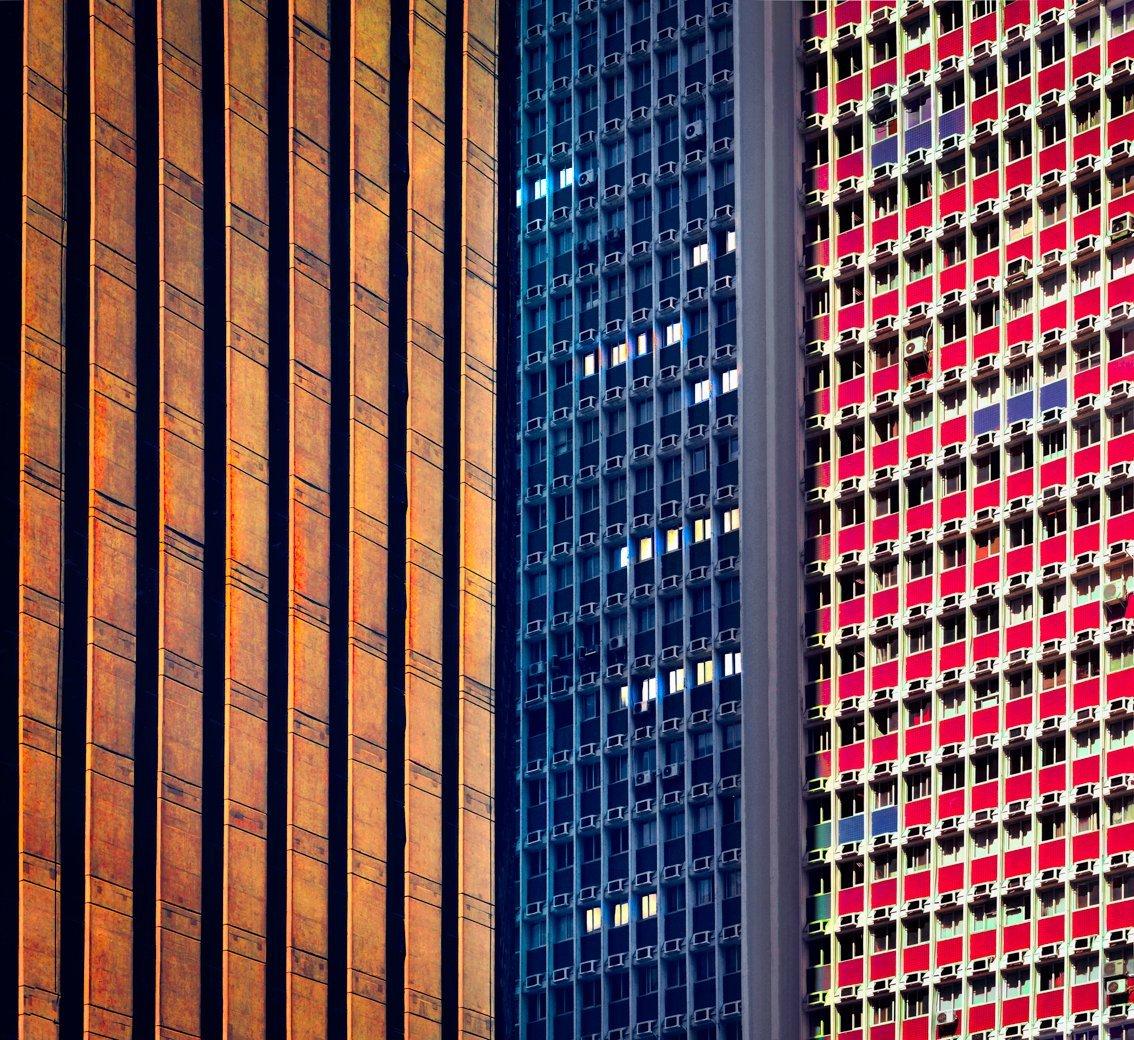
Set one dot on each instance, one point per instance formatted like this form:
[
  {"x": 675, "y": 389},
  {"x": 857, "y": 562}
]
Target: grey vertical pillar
[{"x": 767, "y": 85}]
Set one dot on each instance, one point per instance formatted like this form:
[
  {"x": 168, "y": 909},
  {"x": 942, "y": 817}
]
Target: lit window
[
  {"x": 672, "y": 539},
  {"x": 1121, "y": 102},
  {"x": 729, "y": 380},
  {"x": 1086, "y": 114},
  {"x": 1054, "y": 445},
  {"x": 1084, "y": 894},
  {"x": 590, "y": 363},
  {"x": 920, "y": 264},
  {"x": 1019, "y": 145},
  {"x": 886, "y": 277},
  {"x": 1054, "y": 288},
  {"x": 594, "y": 919},
  {"x": 730, "y": 663},
  {"x": 648, "y": 691},
  {"x": 1084, "y": 819},
  {"x": 1053, "y": 676},
  {"x": 984, "y": 79},
  {"x": 701, "y": 529},
  {"x": 1052, "y": 131},
  {"x": 1020, "y": 608},
  {"x": 1051, "y": 50},
  {"x": 1020, "y": 224},
  {"x": 621, "y": 914},
  {"x": 566, "y": 177},
  {"x": 1087, "y": 196},
  {"x": 952, "y": 173},
  {"x": 673, "y": 334},
  {"x": 1086, "y": 588},
  {"x": 1086, "y": 34},
  {"x": 730, "y": 519},
  {"x": 646, "y": 548},
  {"x": 1121, "y": 18},
  {"x": 987, "y": 314},
  {"x": 917, "y": 31},
  {"x": 1087, "y": 275},
  {"x": 920, "y": 416},
  {"x": 700, "y": 254},
  {"x": 1087, "y": 742},
  {"x": 1019, "y": 302},
  {"x": 1085, "y": 969},
  {"x": 1122, "y": 182},
  {"x": 1121, "y": 810},
  {"x": 1051, "y": 902},
  {"x": 704, "y": 672},
  {"x": 618, "y": 354},
  {"x": 1090, "y": 432},
  {"x": 1120, "y": 656},
  {"x": 1122, "y": 422},
  {"x": 1122, "y": 262},
  {"x": 701, "y": 391},
  {"x": 675, "y": 680},
  {"x": 1122, "y": 888},
  {"x": 649, "y": 905},
  {"x": 886, "y": 201}
]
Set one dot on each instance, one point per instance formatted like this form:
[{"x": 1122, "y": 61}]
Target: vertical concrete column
[{"x": 770, "y": 454}]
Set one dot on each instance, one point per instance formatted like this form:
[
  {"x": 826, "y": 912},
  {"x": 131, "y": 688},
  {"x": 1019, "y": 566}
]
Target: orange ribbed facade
[{"x": 256, "y": 515}]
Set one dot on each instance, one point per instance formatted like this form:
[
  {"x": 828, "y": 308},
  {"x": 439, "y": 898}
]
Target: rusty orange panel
[
  {"x": 111, "y": 517},
  {"x": 181, "y": 519},
  {"x": 112, "y": 528},
  {"x": 476, "y": 897},
  {"x": 41, "y": 520},
  {"x": 309, "y": 597},
  {"x": 425, "y": 350},
  {"x": 369, "y": 510},
  {"x": 244, "y": 924}
]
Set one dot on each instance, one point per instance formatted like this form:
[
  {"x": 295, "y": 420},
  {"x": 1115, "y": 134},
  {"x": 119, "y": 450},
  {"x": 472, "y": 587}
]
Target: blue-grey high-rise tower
[{"x": 629, "y": 918}]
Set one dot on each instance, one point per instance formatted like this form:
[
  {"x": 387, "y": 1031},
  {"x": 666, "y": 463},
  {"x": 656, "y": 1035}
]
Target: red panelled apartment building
[{"x": 967, "y": 220}]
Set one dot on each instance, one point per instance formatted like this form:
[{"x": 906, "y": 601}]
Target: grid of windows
[
  {"x": 968, "y": 276},
  {"x": 629, "y": 916}
]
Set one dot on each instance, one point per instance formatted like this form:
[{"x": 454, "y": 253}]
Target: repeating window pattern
[
  {"x": 968, "y": 320},
  {"x": 629, "y": 587}
]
